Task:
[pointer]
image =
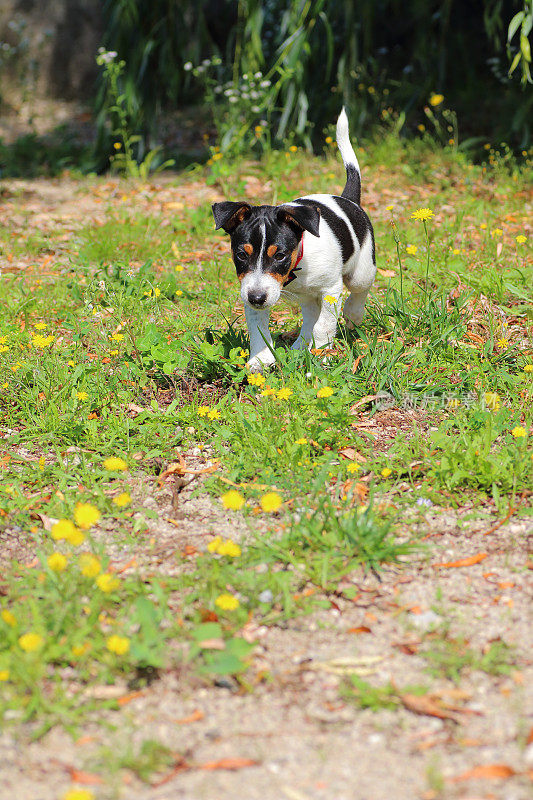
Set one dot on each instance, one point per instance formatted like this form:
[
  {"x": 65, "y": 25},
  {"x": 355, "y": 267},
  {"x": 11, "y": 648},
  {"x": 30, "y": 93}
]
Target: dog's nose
[{"x": 257, "y": 298}]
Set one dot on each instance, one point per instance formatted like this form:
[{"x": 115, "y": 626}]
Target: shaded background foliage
[
  {"x": 329, "y": 53},
  {"x": 381, "y": 58}
]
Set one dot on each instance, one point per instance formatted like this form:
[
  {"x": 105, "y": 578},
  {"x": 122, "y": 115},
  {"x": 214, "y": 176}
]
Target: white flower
[
  {"x": 228, "y": 92},
  {"x": 264, "y": 84},
  {"x": 101, "y": 285},
  {"x": 245, "y": 76},
  {"x": 233, "y": 99},
  {"x": 206, "y": 62},
  {"x": 258, "y": 75},
  {"x": 187, "y": 66},
  {"x": 256, "y": 109}
]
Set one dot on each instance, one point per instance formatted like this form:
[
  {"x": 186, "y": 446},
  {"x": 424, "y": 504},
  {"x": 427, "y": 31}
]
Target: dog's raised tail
[{"x": 352, "y": 190}]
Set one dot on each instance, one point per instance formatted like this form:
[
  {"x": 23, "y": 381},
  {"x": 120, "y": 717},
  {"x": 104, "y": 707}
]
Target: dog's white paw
[{"x": 260, "y": 361}]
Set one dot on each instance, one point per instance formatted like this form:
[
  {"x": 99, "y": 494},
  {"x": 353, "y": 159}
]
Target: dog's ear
[
  {"x": 307, "y": 218},
  {"x": 228, "y": 214}
]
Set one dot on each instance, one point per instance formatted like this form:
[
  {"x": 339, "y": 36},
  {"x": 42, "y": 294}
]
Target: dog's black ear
[
  {"x": 305, "y": 217},
  {"x": 228, "y": 214}
]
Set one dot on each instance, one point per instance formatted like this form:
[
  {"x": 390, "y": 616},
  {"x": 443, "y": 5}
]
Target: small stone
[{"x": 266, "y": 596}]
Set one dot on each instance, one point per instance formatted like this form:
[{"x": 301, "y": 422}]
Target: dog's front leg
[
  {"x": 260, "y": 354},
  {"x": 310, "y": 315}
]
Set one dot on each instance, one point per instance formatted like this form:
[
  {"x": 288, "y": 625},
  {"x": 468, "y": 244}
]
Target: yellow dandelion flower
[
  {"x": 40, "y": 326},
  {"x": 519, "y": 432},
  {"x": 78, "y": 794},
  {"x": 75, "y": 537},
  {"x": 386, "y": 472},
  {"x": 492, "y": 400},
  {"x": 528, "y": 368},
  {"x": 229, "y": 548},
  {"x": 89, "y": 565},
  {"x": 244, "y": 353},
  {"x": 213, "y": 413},
  {"x": 117, "y": 644},
  {"x": 157, "y": 291},
  {"x": 453, "y": 403},
  {"x": 202, "y": 411},
  {"x": 62, "y": 529},
  {"x": 86, "y": 515},
  {"x": 82, "y": 395},
  {"x": 293, "y": 148},
  {"x": 115, "y": 464},
  {"x": 325, "y": 391},
  {"x": 283, "y": 394},
  {"x": 496, "y": 233},
  {"x": 330, "y": 299},
  {"x": 107, "y": 583},
  {"x": 421, "y": 127},
  {"x": 436, "y": 100},
  {"x": 3, "y": 339},
  {"x": 57, "y": 562},
  {"x": 232, "y": 500},
  {"x": 258, "y": 129},
  {"x": 271, "y": 502},
  {"x": 256, "y": 379},
  {"x": 178, "y": 293},
  {"x": 227, "y": 602},
  {"x": 483, "y": 226},
  {"x": 3, "y": 348},
  {"x": 353, "y": 467},
  {"x": 502, "y": 343},
  {"x": 389, "y": 208},
  {"x": 122, "y": 499},
  {"x": 29, "y": 642},
  {"x": 411, "y": 249},
  {"x": 301, "y": 441},
  {"x": 4, "y": 674},
  {"x": 71, "y": 363},
  {"x": 214, "y": 544},
  {"x": 422, "y": 214},
  {"x": 8, "y": 617},
  {"x": 329, "y": 139},
  {"x": 267, "y": 391},
  {"x": 113, "y": 352},
  {"x": 117, "y": 337},
  {"x": 521, "y": 239},
  {"x": 80, "y": 649},
  {"x": 42, "y": 341}
]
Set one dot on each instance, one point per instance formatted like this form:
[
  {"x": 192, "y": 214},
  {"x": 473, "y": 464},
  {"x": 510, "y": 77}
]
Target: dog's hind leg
[{"x": 359, "y": 282}]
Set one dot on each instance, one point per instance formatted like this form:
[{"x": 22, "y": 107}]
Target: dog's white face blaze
[{"x": 260, "y": 282}]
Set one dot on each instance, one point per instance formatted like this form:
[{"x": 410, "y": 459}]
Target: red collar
[{"x": 291, "y": 276}]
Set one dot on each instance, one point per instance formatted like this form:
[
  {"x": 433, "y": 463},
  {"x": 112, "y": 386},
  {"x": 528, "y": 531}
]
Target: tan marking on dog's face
[
  {"x": 271, "y": 250},
  {"x": 282, "y": 278},
  {"x": 248, "y": 249}
]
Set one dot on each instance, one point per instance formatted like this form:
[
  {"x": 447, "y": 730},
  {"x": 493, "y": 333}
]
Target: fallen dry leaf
[
  {"x": 85, "y": 778},
  {"x": 463, "y": 562},
  {"x": 127, "y": 698},
  {"x": 229, "y": 763},
  {"x": 495, "y": 772},
  {"x": 427, "y": 706},
  {"x": 387, "y": 273},
  {"x": 360, "y": 629},
  {"x": 196, "y": 716}
]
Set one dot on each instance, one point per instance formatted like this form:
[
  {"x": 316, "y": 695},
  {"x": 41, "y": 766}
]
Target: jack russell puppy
[{"x": 314, "y": 244}]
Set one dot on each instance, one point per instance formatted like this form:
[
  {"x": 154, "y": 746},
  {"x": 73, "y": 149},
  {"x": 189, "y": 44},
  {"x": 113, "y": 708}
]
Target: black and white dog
[{"x": 314, "y": 245}]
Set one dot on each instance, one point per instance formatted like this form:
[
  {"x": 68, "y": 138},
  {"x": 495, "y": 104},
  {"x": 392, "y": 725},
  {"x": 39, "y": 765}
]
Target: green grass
[{"x": 144, "y": 315}]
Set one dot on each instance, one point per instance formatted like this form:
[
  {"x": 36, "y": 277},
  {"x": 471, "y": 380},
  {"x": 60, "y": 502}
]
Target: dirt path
[{"x": 291, "y": 731}]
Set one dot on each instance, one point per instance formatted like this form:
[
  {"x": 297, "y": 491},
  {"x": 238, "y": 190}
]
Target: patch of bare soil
[{"x": 291, "y": 731}]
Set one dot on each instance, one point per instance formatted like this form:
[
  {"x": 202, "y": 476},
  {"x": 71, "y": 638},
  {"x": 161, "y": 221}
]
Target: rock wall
[{"x": 49, "y": 46}]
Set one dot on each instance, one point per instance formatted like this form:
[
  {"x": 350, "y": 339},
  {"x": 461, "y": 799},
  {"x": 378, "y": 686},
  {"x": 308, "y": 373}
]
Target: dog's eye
[
  {"x": 241, "y": 254},
  {"x": 280, "y": 256}
]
